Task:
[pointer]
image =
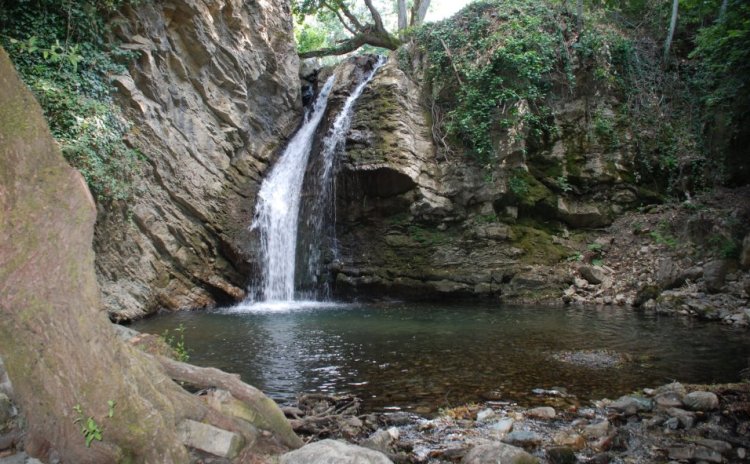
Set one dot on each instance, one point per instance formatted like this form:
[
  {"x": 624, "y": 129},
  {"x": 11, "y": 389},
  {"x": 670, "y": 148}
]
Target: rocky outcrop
[
  {"x": 415, "y": 219},
  {"x": 211, "y": 94}
]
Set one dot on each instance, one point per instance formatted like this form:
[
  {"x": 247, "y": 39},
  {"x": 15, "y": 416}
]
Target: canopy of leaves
[{"x": 62, "y": 52}]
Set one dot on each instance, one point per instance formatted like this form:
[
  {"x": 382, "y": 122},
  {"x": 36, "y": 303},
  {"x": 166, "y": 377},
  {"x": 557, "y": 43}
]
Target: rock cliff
[
  {"x": 212, "y": 94},
  {"x": 416, "y": 220}
]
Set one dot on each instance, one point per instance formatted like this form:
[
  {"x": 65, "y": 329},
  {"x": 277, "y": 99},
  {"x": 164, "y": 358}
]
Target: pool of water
[{"x": 424, "y": 357}]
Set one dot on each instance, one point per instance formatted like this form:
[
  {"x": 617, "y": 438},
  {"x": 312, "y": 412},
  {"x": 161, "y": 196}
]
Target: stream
[{"x": 421, "y": 357}]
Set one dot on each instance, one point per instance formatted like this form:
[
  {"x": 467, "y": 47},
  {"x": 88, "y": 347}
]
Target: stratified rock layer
[{"x": 212, "y": 93}]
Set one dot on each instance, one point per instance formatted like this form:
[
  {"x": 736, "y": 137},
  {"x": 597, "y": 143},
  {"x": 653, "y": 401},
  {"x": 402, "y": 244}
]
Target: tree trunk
[
  {"x": 419, "y": 11},
  {"x": 59, "y": 348},
  {"x": 672, "y": 26},
  {"x": 402, "y": 20},
  {"x": 579, "y": 16}
]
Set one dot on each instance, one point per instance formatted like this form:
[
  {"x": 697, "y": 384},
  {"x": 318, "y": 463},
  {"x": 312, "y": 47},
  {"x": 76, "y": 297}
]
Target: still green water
[{"x": 424, "y": 357}]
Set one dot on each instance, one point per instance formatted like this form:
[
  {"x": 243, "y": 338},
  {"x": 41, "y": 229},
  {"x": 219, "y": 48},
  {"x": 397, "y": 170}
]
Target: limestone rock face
[
  {"x": 418, "y": 220},
  {"x": 212, "y": 93}
]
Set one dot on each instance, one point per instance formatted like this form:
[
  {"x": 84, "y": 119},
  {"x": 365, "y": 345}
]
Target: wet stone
[
  {"x": 668, "y": 400},
  {"x": 598, "y": 430},
  {"x": 630, "y": 405},
  {"x": 503, "y": 426},
  {"x": 544, "y": 412},
  {"x": 561, "y": 455},
  {"x": 497, "y": 452},
  {"x": 523, "y": 438},
  {"x": 701, "y": 401}
]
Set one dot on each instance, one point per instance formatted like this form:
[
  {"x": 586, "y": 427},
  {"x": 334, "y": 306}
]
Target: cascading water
[
  {"x": 277, "y": 211},
  {"x": 278, "y": 206},
  {"x": 321, "y": 219}
]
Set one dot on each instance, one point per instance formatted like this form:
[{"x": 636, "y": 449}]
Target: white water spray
[
  {"x": 278, "y": 206},
  {"x": 277, "y": 211},
  {"x": 323, "y": 210}
]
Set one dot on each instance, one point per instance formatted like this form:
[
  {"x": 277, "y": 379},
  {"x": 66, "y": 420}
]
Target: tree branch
[
  {"x": 350, "y": 15},
  {"x": 337, "y": 12},
  {"x": 375, "y": 15},
  {"x": 372, "y": 37}
]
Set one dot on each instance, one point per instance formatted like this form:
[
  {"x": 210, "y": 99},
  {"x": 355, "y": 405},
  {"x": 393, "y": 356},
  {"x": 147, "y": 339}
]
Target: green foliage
[
  {"x": 61, "y": 51},
  {"x": 177, "y": 342},
  {"x": 662, "y": 236},
  {"x": 111, "y": 408},
  {"x": 724, "y": 247},
  {"x": 486, "y": 61},
  {"x": 89, "y": 428},
  {"x": 518, "y": 185}
]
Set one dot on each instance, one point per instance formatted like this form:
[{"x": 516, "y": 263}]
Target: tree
[
  {"x": 73, "y": 378},
  {"x": 370, "y": 31}
]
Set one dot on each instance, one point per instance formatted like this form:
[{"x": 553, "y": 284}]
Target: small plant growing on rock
[
  {"x": 177, "y": 342},
  {"x": 89, "y": 428}
]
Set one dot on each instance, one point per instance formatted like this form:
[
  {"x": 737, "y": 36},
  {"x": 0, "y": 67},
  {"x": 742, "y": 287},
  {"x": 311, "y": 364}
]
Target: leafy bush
[
  {"x": 61, "y": 51},
  {"x": 487, "y": 59}
]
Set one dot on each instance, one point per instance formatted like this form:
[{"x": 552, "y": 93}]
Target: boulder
[
  {"x": 334, "y": 452},
  {"x": 593, "y": 274},
  {"x": 210, "y": 439},
  {"x": 701, "y": 401},
  {"x": 668, "y": 274},
  {"x": 668, "y": 400},
  {"x": 715, "y": 274},
  {"x": 498, "y": 453}
]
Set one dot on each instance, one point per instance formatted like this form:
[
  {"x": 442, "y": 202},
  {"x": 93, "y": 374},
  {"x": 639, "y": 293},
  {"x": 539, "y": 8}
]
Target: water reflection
[{"x": 426, "y": 356}]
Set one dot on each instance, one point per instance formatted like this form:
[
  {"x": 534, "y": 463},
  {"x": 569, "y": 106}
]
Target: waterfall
[
  {"x": 320, "y": 220},
  {"x": 277, "y": 211},
  {"x": 278, "y": 206}
]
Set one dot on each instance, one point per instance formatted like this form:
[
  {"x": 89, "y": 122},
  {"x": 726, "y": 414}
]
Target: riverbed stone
[
  {"x": 543, "y": 412},
  {"x": 569, "y": 439},
  {"x": 593, "y": 274},
  {"x": 630, "y": 405},
  {"x": 210, "y": 439},
  {"x": 334, "y": 452},
  {"x": 701, "y": 401},
  {"x": 523, "y": 438},
  {"x": 695, "y": 454},
  {"x": 597, "y": 430},
  {"x": 498, "y": 453},
  {"x": 381, "y": 440},
  {"x": 668, "y": 400},
  {"x": 503, "y": 426},
  {"x": 561, "y": 455},
  {"x": 685, "y": 418}
]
